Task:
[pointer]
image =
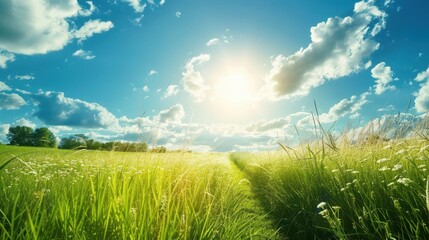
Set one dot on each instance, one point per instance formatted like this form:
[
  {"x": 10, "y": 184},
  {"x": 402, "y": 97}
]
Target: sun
[{"x": 234, "y": 89}]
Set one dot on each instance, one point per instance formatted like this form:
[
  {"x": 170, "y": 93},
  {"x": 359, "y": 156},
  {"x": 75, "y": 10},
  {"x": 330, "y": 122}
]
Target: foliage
[
  {"x": 43, "y": 137},
  {"x": 26, "y": 136},
  {"x": 21, "y": 136},
  {"x": 80, "y": 141}
]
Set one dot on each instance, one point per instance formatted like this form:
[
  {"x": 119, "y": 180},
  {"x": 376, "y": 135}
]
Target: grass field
[{"x": 375, "y": 191}]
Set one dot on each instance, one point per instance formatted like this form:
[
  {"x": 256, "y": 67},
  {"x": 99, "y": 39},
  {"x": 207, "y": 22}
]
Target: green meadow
[{"x": 362, "y": 191}]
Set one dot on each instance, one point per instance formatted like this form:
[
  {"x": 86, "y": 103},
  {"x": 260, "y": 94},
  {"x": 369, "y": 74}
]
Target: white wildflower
[
  {"x": 405, "y": 181},
  {"x": 382, "y": 160},
  {"x": 322, "y": 205},
  {"x": 396, "y": 167},
  {"x": 383, "y": 169}
]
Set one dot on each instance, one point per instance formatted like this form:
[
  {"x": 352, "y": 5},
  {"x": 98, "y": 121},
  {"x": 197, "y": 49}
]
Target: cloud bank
[
  {"x": 339, "y": 47},
  {"x": 56, "y": 109}
]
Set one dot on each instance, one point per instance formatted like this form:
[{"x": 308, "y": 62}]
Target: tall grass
[
  {"x": 363, "y": 191},
  {"x": 103, "y": 195}
]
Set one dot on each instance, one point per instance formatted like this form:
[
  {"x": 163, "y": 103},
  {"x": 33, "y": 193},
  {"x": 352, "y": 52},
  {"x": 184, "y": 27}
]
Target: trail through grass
[
  {"x": 104, "y": 195},
  {"x": 357, "y": 192}
]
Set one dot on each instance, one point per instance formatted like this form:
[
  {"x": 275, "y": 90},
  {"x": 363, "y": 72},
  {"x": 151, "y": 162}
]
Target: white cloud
[
  {"x": 193, "y": 80},
  {"x": 86, "y": 55},
  {"x": 137, "y": 5},
  {"x": 388, "y": 108},
  {"x": 152, "y": 72},
  {"x": 91, "y": 27},
  {"x": 178, "y": 14},
  {"x": 422, "y": 97},
  {"x": 173, "y": 114},
  {"x": 422, "y": 75},
  {"x": 23, "y": 91},
  {"x": 56, "y": 109},
  {"x": 137, "y": 20},
  {"x": 171, "y": 90},
  {"x": 344, "y": 107},
  {"x": 24, "y": 122},
  {"x": 5, "y": 57},
  {"x": 4, "y": 129},
  {"x": 339, "y": 47},
  {"x": 11, "y": 101},
  {"x": 24, "y": 77},
  {"x": 4, "y": 87},
  {"x": 263, "y": 126},
  {"x": 36, "y": 26},
  {"x": 161, "y": 2},
  {"x": 212, "y": 42},
  {"x": 146, "y": 88},
  {"x": 383, "y": 76},
  {"x": 88, "y": 12}
]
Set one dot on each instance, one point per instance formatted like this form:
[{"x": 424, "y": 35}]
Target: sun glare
[{"x": 234, "y": 89}]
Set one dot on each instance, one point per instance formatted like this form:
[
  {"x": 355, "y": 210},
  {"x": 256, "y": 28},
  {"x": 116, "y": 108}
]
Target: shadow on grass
[{"x": 294, "y": 219}]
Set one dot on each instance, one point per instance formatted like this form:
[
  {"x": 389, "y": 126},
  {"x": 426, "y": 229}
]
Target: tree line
[{"x": 43, "y": 137}]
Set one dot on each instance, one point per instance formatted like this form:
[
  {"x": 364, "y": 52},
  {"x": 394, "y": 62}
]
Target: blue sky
[{"x": 210, "y": 75}]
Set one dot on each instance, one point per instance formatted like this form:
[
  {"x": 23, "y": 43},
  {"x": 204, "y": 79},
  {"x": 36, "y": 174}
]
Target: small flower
[
  {"x": 324, "y": 213},
  {"x": 405, "y": 181},
  {"x": 322, "y": 205},
  {"x": 383, "y": 169},
  {"x": 382, "y": 160},
  {"x": 396, "y": 167}
]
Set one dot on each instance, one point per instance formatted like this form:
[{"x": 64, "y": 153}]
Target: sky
[{"x": 210, "y": 75}]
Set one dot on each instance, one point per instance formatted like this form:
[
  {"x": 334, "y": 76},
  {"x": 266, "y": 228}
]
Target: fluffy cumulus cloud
[
  {"x": 5, "y": 57},
  {"x": 422, "y": 76},
  {"x": 4, "y": 87},
  {"x": 171, "y": 90},
  {"x": 422, "y": 96},
  {"x": 91, "y": 27},
  {"x": 344, "y": 107},
  {"x": 56, "y": 109},
  {"x": 193, "y": 80},
  {"x": 11, "y": 101},
  {"x": 24, "y": 122},
  {"x": 173, "y": 114},
  {"x": 4, "y": 129},
  {"x": 36, "y": 26},
  {"x": 41, "y": 26},
  {"x": 383, "y": 76},
  {"x": 86, "y": 55},
  {"x": 339, "y": 47},
  {"x": 263, "y": 126}
]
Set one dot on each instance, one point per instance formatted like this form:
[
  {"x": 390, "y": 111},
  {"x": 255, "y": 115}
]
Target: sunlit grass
[
  {"x": 375, "y": 191},
  {"x": 54, "y": 194}
]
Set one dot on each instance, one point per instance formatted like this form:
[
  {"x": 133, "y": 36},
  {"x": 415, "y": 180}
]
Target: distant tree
[
  {"x": 73, "y": 142},
  {"x": 374, "y": 139},
  {"x": 20, "y": 136},
  {"x": 161, "y": 149},
  {"x": 93, "y": 145},
  {"x": 43, "y": 137}
]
